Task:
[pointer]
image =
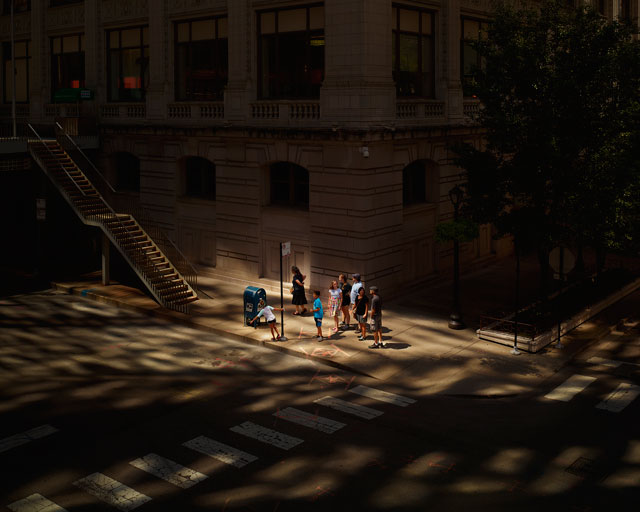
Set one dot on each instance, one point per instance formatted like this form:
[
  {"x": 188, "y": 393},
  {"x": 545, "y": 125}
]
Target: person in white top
[
  {"x": 267, "y": 312},
  {"x": 355, "y": 287},
  {"x": 335, "y": 301}
]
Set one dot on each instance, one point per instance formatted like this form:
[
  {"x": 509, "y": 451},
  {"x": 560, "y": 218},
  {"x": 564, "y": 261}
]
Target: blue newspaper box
[{"x": 254, "y": 300}]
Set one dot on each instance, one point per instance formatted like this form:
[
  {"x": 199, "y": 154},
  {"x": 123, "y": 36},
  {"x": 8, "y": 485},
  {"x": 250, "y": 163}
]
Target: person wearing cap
[{"x": 376, "y": 317}]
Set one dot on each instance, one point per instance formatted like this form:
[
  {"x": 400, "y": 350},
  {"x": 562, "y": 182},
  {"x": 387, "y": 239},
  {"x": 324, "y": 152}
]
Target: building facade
[{"x": 241, "y": 124}]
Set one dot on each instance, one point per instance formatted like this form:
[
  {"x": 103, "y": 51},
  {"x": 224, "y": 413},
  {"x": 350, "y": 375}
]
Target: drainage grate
[{"x": 586, "y": 468}]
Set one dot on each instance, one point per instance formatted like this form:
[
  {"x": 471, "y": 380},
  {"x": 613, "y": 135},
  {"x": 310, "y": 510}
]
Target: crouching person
[{"x": 267, "y": 312}]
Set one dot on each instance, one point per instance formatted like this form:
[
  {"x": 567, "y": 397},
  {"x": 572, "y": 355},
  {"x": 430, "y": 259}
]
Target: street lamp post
[{"x": 455, "y": 319}]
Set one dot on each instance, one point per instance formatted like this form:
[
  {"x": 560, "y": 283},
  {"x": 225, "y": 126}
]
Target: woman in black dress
[{"x": 299, "y": 299}]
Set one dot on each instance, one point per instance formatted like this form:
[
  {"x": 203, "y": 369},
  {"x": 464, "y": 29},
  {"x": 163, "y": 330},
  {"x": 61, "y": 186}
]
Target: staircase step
[{"x": 188, "y": 300}]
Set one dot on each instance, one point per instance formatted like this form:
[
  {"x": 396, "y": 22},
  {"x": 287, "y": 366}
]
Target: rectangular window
[
  {"x": 67, "y": 63},
  {"x": 18, "y": 6},
  {"x": 128, "y": 63},
  {"x": 625, "y": 10},
  {"x": 291, "y": 52},
  {"x": 56, "y": 3},
  {"x": 22, "y": 61},
  {"x": 201, "y": 59},
  {"x": 413, "y": 49},
  {"x": 472, "y": 30}
]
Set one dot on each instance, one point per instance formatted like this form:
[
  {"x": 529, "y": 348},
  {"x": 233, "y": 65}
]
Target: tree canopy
[{"x": 560, "y": 90}]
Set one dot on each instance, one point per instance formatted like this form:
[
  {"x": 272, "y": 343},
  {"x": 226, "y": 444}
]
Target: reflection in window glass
[
  {"x": 67, "y": 63},
  {"x": 291, "y": 52},
  {"x": 413, "y": 57},
  {"x": 128, "y": 65},
  {"x": 202, "y": 62}
]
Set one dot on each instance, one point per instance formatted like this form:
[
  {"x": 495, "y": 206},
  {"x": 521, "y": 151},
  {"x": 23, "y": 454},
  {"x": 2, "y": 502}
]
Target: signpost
[{"x": 285, "y": 250}]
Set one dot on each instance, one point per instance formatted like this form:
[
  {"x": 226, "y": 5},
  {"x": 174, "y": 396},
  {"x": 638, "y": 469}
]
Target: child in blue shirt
[{"x": 317, "y": 313}]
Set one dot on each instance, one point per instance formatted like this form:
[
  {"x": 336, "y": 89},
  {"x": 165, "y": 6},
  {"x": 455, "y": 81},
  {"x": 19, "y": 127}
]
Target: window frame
[
  {"x": 6, "y": 7},
  {"x": 484, "y": 24},
  {"x": 427, "y": 183},
  {"x": 142, "y": 46},
  {"x": 309, "y": 35},
  {"x": 81, "y": 46},
  {"x": 6, "y": 57},
  {"x": 117, "y": 174},
  {"x": 184, "y": 179},
  {"x": 292, "y": 186},
  {"x": 396, "y": 34},
  {"x": 217, "y": 53},
  {"x": 60, "y": 3}
]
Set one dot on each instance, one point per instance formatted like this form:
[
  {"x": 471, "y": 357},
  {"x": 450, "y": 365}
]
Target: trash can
[{"x": 254, "y": 300}]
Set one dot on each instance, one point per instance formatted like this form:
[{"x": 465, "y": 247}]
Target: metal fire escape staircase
[{"x": 160, "y": 265}]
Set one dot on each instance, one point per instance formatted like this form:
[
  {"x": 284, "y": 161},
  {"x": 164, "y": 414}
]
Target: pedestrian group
[{"x": 348, "y": 299}]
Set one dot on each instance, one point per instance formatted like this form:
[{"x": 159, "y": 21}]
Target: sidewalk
[{"x": 422, "y": 350}]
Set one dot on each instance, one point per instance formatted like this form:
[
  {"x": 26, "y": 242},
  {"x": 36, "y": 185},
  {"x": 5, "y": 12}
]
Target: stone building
[{"x": 241, "y": 124}]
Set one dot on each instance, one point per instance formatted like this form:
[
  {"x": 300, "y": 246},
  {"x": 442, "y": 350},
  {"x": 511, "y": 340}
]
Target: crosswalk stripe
[
  {"x": 604, "y": 362},
  {"x": 350, "y": 408},
  {"x": 383, "y": 396},
  {"x": 309, "y": 420},
  {"x": 619, "y": 398},
  {"x": 267, "y": 435},
  {"x": 23, "y": 438},
  {"x": 570, "y": 388},
  {"x": 112, "y": 492},
  {"x": 35, "y": 503},
  {"x": 168, "y": 470},
  {"x": 222, "y": 452},
  {"x": 608, "y": 362}
]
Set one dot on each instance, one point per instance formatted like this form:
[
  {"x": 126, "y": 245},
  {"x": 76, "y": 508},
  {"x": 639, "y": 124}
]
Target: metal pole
[
  {"x": 282, "y": 337},
  {"x": 455, "y": 319},
  {"x": 13, "y": 76},
  {"x": 559, "y": 299},
  {"x": 515, "y": 350}
]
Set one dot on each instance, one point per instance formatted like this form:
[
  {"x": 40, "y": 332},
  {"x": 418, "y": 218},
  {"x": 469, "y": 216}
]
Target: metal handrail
[
  {"x": 142, "y": 216},
  {"x": 53, "y": 156},
  {"x": 136, "y": 256}
]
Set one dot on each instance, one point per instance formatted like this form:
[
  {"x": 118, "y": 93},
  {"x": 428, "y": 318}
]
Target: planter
[{"x": 532, "y": 340}]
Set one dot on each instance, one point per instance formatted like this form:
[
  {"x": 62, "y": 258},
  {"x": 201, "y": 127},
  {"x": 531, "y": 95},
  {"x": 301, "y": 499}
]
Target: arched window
[
  {"x": 289, "y": 185},
  {"x": 127, "y": 172},
  {"x": 419, "y": 183},
  {"x": 199, "y": 178},
  {"x": 414, "y": 184}
]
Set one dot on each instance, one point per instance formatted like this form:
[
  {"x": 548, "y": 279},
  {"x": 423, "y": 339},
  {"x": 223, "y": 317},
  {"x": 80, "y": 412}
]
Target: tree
[{"x": 559, "y": 93}]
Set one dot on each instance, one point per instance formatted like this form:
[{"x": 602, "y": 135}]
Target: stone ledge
[{"x": 547, "y": 337}]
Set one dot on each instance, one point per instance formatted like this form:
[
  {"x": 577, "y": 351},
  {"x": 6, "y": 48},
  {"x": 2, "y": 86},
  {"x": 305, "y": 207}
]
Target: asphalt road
[{"x": 104, "y": 409}]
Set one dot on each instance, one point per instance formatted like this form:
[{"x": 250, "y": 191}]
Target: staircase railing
[
  {"x": 110, "y": 221},
  {"x": 132, "y": 207}
]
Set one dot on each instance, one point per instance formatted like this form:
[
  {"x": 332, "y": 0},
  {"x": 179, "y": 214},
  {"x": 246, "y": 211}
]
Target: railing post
[{"x": 106, "y": 259}]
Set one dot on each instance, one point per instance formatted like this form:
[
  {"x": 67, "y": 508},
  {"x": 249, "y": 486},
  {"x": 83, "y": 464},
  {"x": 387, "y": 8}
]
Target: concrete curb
[{"x": 186, "y": 320}]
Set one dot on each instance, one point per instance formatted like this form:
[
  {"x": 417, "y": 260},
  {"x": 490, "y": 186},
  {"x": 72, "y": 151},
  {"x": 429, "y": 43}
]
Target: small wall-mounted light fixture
[{"x": 365, "y": 151}]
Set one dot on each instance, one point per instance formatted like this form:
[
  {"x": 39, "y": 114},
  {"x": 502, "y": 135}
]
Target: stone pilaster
[
  {"x": 452, "y": 86},
  {"x": 358, "y": 86},
  {"x": 241, "y": 41},
  {"x": 38, "y": 70},
  {"x": 93, "y": 50},
  {"x": 158, "y": 89}
]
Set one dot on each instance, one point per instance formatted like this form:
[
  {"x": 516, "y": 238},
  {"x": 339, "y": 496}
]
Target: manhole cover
[{"x": 586, "y": 468}]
